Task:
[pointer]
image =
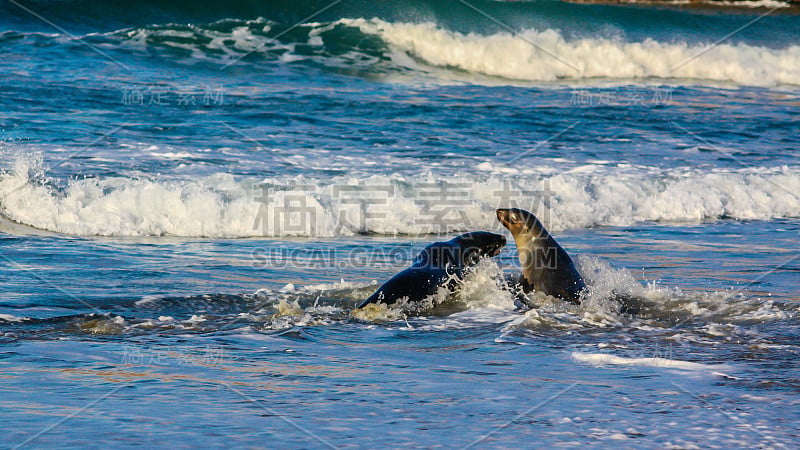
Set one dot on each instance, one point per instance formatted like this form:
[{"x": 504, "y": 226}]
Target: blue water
[{"x": 194, "y": 198}]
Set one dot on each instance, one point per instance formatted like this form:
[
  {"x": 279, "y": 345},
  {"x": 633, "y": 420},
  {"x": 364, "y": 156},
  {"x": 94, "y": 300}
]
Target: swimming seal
[
  {"x": 546, "y": 267},
  {"x": 439, "y": 264}
]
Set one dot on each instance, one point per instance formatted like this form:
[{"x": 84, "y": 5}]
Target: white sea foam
[
  {"x": 606, "y": 359},
  {"x": 10, "y": 318},
  {"x": 528, "y": 56},
  {"x": 733, "y": 3},
  {"x": 224, "y": 206},
  {"x": 715, "y": 313},
  {"x": 751, "y": 3},
  {"x": 226, "y": 46},
  {"x": 542, "y": 56}
]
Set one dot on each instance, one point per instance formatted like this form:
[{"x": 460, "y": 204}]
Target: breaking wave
[
  {"x": 433, "y": 52},
  {"x": 546, "y": 55},
  {"x": 222, "y": 205}
]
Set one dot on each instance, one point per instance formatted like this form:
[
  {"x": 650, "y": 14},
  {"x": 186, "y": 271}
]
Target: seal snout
[
  {"x": 487, "y": 244},
  {"x": 503, "y": 216},
  {"x": 511, "y": 219},
  {"x": 498, "y": 246}
]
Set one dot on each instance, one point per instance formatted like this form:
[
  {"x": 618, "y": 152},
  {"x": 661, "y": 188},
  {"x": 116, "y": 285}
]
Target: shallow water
[
  {"x": 710, "y": 360},
  {"x": 185, "y": 234}
]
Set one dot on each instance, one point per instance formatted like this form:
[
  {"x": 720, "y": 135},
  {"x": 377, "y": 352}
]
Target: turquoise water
[{"x": 195, "y": 197}]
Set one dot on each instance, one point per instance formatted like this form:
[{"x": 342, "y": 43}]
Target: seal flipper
[
  {"x": 629, "y": 304},
  {"x": 513, "y": 284}
]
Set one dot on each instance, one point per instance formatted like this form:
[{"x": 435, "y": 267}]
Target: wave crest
[
  {"x": 543, "y": 56},
  {"x": 222, "y": 206}
]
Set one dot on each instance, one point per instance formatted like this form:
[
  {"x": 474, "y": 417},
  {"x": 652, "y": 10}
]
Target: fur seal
[
  {"x": 439, "y": 264},
  {"x": 546, "y": 267}
]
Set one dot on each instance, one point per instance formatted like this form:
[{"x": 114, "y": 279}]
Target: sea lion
[
  {"x": 546, "y": 267},
  {"x": 439, "y": 264}
]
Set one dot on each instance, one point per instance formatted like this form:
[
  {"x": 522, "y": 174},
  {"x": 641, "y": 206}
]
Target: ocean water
[{"x": 195, "y": 197}]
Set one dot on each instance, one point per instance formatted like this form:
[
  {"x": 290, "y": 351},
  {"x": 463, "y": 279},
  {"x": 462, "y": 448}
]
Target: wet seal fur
[
  {"x": 441, "y": 264},
  {"x": 546, "y": 266}
]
